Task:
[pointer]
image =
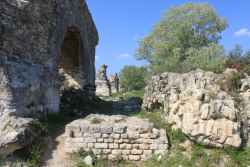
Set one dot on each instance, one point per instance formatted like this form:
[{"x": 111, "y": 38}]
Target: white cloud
[
  {"x": 242, "y": 32},
  {"x": 124, "y": 55}
]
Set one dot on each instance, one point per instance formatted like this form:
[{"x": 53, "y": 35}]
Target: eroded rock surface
[
  {"x": 16, "y": 133},
  {"x": 199, "y": 104},
  {"x": 116, "y": 137}
]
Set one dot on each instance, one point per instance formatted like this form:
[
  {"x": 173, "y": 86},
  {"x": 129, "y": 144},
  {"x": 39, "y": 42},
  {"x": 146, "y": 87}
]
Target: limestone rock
[
  {"x": 16, "y": 133},
  {"x": 196, "y": 103}
]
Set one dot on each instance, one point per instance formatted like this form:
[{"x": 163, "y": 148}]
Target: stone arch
[{"x": 73, "y": 60}]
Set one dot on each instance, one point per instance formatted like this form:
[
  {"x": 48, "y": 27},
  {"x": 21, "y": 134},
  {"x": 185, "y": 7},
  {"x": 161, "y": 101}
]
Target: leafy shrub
[{"x": 133, "y": 78}]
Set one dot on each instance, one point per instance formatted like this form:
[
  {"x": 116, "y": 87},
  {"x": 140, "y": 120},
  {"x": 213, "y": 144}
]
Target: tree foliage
[
  {"x": 179, "y": 36},
  {"x": 239, "y": 60},
  {"x": 133, "y": 78}
]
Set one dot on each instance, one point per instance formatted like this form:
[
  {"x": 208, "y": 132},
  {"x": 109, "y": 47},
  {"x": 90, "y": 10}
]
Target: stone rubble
[{"x": 116, "y": 137}]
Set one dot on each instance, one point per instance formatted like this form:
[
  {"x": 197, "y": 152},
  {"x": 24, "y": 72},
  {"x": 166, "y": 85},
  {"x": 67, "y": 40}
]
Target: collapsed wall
[
  {"x": 200, "y": 104},
  {"x": 116, "y": 137}
]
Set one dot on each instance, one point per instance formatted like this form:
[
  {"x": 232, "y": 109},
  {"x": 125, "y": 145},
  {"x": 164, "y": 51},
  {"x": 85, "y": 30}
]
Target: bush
[{"x": 133, "y": 78}]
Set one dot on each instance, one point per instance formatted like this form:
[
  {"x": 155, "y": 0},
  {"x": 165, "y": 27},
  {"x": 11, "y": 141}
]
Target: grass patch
[
  {"x": 155, "y": 117},
  {"x": 175, "y": 159},
  {"x": 240, "y": 158}
]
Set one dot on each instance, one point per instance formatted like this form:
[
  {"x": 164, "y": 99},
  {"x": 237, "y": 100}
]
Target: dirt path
[{"x": 55, "y": 155}]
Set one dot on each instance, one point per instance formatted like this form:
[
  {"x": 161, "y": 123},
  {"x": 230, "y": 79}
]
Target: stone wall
[
  {"x": 116, "y": 137},
  {"x": 35, "y": 32},
  {"x": 200, "y": 104},
  {"x": 32, "y": 41}
]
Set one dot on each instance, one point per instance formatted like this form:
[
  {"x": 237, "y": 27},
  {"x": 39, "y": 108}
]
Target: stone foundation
[{"x": 116, "y": 137}]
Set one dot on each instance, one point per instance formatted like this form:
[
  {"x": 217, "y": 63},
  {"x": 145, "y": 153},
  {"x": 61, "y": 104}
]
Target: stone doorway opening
[{"x": 69, "y": 64}]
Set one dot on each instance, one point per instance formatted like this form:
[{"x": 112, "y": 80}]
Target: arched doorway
[{"x": 69, "y": 61}]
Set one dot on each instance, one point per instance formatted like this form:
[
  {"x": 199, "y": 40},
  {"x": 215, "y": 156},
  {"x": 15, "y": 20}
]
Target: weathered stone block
[
  {"x": 101, "y": 145},
  {"x": 134, "y": 157}
]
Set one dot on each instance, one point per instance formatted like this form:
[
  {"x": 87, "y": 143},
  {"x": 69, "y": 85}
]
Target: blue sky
[{"x": 121, "y": 23}]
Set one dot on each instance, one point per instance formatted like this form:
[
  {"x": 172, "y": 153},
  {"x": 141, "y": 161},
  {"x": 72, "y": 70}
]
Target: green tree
[
  {"x": 209, "y": 58},
  {"x": 236, "y": 52},
  {"x": 133, "y": 78},
  {"x": 184, "y": 28}
]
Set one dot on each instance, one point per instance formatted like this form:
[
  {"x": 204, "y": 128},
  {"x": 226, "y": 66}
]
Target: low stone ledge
[{"x": 116, "y": 137}]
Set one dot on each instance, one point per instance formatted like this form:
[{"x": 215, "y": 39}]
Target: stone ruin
[
  {"x": 43, "y": 44},
  {"x": 105, "y": 85},
  {"x": 201, "y": 105},
  {"x": 114, "y": 83},
  {"x": 116, "y": 137}
]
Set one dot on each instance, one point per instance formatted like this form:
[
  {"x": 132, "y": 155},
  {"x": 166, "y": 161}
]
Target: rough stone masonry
[
  {"x": 37, "y": 40},
  {"x": 116, "y": 137}
]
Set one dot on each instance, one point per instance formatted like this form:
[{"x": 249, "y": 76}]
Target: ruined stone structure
[
  {"x": 116, "y": 137},
  {"x": 103, "y": 87},
  {"x": 37, "y": 40},
  {"x": 201, "y": 105},
  {"x": 114, "y": 83}
]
